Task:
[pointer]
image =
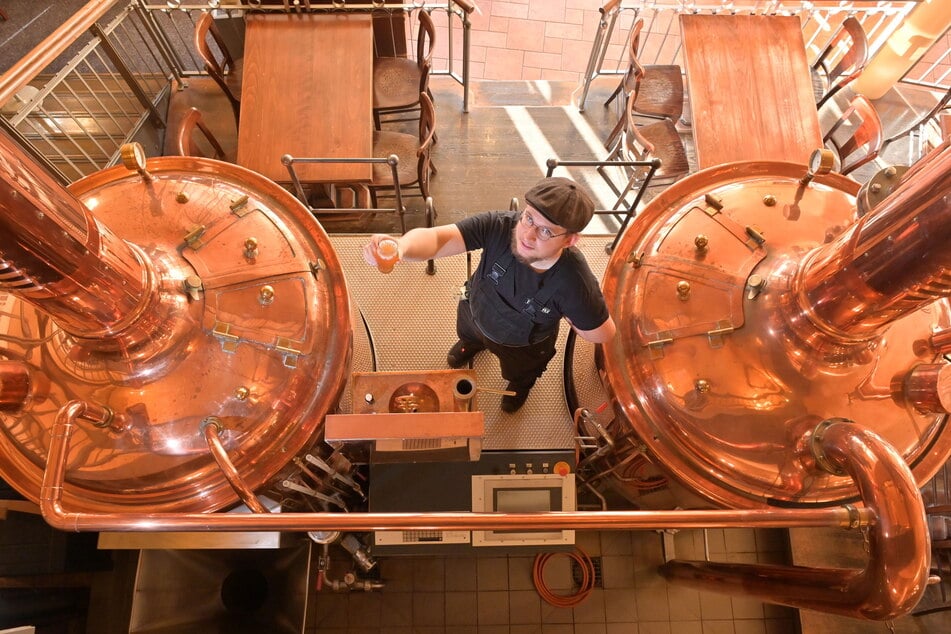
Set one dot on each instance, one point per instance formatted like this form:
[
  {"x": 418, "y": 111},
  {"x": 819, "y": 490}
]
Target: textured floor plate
[{"x": 411, "y": 321}]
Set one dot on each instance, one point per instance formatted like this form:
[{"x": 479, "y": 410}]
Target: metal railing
[{"x": 74, "y": 113}]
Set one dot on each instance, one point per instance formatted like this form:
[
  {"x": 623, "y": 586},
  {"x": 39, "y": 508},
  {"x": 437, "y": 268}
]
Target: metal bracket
[{"x": 229, "y": 342}]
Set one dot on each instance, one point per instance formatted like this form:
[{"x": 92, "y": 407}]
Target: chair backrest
[
  {"x": 851, "y": 40},
  {"x": 185, "y": 135},
  {"x": 427, "y": 134},
  {"x": 658, "y": 140},
  {"x": 857, "y": 135},
  {"x": 634, "y": 41},
  {"x": 426, "y": 40},
  {"x": 638, "y": 148},
  {"x": 217, "y": 69}
]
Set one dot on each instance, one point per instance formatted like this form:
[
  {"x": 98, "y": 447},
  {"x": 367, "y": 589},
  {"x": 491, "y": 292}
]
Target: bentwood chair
[
  {"x": 848, "y": 50},
  {"x": 224, "y": 70},
  {"x": 398, "y": 81},
  {"x": 659, "y": 140},
  {"x": 188, "y": 145},
  {"x": 659, "y": 88},
  {"x": 856, "y": 136},
  {"x": 415, "y": 165}
]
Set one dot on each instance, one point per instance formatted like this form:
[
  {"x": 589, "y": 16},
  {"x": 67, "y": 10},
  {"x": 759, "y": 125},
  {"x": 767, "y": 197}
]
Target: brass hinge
[
  {"x": 286, "y": 346},
  {"x": 236, "y": 205},
  {"x": 656, "y": 346},
  {"x": 193, "y": 237},
  {"x": 715, "y": 336},
  {"x": 229, "y": 342}
]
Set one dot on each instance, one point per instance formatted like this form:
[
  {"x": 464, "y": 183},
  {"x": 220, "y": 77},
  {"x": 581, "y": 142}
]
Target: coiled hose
[{"x": 564, "y": 600}]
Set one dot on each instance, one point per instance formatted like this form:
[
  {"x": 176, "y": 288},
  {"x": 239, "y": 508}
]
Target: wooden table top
[
  {"x": 307, "y": 91},
  {"x": 750, "y": 89}
]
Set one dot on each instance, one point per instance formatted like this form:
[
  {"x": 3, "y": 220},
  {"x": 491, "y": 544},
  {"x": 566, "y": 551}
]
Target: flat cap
[{"x": 562, "y": 202}]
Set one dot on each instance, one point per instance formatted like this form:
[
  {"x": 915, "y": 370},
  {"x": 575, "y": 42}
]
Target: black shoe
[
  {"x": 511, "y": 404},
  {"x": 462, "y": 352}
]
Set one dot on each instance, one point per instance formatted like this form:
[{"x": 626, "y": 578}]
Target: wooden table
[
  {"x": 750, "y": 89},
  {"x": 307, "y": 91}
]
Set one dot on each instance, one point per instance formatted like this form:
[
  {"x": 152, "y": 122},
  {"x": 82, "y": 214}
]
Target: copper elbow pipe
[
  {"x": 893, "y": 261},
  {"x": 211, "y": 429},
  {"x": 898, "y": 542}
]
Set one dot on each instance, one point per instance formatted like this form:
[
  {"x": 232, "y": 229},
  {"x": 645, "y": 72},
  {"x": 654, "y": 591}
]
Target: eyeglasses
[{"x": 544, "y": 233}]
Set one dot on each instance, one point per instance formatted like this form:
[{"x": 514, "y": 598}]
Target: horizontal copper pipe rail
[
  {"x": 51, "y": 495},
  {"x": 894, "y": 580}
]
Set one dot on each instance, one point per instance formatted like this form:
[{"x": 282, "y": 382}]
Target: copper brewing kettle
[{"x": 166, "y": 294}]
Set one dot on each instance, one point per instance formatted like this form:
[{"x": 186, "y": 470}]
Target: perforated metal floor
[{"x": 411, "y": 320}]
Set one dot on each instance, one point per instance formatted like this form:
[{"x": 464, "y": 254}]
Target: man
[{"x": 529, "y": 277}]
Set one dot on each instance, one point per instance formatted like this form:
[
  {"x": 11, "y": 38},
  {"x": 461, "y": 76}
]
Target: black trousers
[{"x": 521, "y": 365}]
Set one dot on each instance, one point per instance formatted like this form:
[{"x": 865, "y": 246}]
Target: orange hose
[{"x": 564, "y": 600}]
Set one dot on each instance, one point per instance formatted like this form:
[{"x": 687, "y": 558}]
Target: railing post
[
  {"x": 165, "y": 47},
  {"x": 127, "y": 75}
]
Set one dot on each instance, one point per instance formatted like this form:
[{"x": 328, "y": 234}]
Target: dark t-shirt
[{"x": 567, "y": 289}]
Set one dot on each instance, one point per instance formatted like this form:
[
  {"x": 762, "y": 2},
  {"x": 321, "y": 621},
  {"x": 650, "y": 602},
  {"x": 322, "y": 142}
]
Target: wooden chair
[
  {"x": 226, "y": 72},
  {"x": 641, "y": 143},
  {"x": 659, "y": 88},
  {"x": 415, "y": 166},
  {"x": 856, "y": 136},
  {"x": 849, "y": 37},
  {"x": 398, "y": 81},
  {"x": 188, "y": 145}
]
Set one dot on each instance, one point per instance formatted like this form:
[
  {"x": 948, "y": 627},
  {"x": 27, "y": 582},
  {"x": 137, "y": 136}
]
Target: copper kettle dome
[{"x": 199, "y": 291}]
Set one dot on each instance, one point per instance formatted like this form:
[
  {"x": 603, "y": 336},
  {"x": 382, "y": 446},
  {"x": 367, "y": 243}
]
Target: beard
[{"x": 518, "y": 256}]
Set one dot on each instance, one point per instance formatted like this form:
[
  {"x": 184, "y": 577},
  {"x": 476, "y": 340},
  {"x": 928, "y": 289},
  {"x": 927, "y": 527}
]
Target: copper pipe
[
  {"x": 14, "y": 385},
  {"x": 211, "y": 427},
  {"x": 59, "y": 258},
  {"x": 51, "y": 497},
  {"x": 892, "y": 262},
  {"x": 898, "y": 543}
]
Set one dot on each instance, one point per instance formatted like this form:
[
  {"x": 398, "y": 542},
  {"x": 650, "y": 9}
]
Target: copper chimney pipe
[
  {"x": 893, "y": 261},
  {"x": 94, "y": 285}
]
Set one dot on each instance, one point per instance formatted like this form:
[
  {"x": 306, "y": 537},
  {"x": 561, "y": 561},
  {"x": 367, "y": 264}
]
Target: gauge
[{"x": 133, "y": 156}]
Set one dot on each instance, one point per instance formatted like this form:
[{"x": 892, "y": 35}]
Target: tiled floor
[{"x": 494, "y": 593}]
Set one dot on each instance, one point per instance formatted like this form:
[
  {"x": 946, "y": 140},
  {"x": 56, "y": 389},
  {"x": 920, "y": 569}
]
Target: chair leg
[
  {"x": 376, "y": 120},
  {"x": 614, "y": 94},
  {"x": 615, "y": 133}
]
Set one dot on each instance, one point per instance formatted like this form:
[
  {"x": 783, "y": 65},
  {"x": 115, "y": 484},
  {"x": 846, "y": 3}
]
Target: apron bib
[{"x": 495, "y": 318}]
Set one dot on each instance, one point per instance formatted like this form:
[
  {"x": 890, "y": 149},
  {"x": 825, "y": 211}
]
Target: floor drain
[{"x": 576, "y": 572}]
